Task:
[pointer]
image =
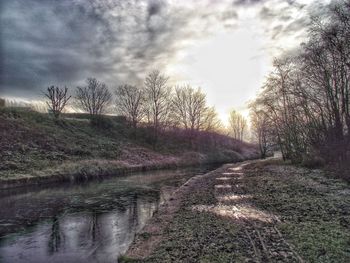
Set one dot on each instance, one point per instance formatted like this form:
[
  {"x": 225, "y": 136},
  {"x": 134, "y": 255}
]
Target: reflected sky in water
[{"x": 91, "y": 222}]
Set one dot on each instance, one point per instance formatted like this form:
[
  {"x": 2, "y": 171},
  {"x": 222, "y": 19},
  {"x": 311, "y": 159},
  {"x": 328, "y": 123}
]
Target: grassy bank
[
  {"x": 261, "y": 212},
  {"x": 35, "y": 148}
]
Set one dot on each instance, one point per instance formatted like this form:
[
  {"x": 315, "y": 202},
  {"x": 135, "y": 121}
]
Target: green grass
[
  {"x": 313, "y": 212},
  {"x": 31, "y": 142},
  {"x": 314, "y": 209}
]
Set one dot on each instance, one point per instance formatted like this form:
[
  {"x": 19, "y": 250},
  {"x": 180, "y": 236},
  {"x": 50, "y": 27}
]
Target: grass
[
  {"x": 199, "y": 237},
  {"x": 314, "y": 209},
  {"x": 34, "y": 144},
  {"x": 312, "y": 214}
]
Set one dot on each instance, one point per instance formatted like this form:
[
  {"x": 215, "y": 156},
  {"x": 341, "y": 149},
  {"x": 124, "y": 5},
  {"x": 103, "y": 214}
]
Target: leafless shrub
[
  {"x": 93, "y": 98},
  {"x": 2, "y": 103},
  {"x": 57, "y": 99},
  {"x": 130, "y": 102},
  {"x": 238, "y": 125},
  {"x": 157, "y": 101},
  {"x": 190, "y": 111},
  {"x": 261, "y": 130}
]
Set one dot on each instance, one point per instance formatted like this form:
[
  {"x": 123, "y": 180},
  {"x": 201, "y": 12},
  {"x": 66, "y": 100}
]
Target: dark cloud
[
  {"x": 296, "y": 25},
  {"x": 229, "y": 15},
  {"x": 63, "y": 42},
  {"x": 154, "y": 8},
  {"x": 276, "y": 31},
  {"x": 266, "y": 13},
  {"x": 276, "y": 14},
  {"x": 283, "y": 21},
  {"x": 247, "y": 2}
]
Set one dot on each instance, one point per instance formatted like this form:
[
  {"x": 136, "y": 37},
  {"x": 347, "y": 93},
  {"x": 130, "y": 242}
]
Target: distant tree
[
  {"x": 2, "y": 103},
  {"x": 189, "y": 106},
  {"x": 238, "y": 125},
  {"x": 93, "y": 98},
  {"x": 57, "y": 99},
  {"x": 261, "y": 129},
  {"x": 189, "y": 109},
  {"x": 211, "y": 121},
  {"x": 129, "y": 102},
  {"x": 158, "y": 97}
]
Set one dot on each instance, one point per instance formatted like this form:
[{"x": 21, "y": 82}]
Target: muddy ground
[{"x": 258, "y": 211}]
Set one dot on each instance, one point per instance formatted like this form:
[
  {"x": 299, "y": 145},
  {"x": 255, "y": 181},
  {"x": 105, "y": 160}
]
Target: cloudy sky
[{"x": 225, "y": 47}]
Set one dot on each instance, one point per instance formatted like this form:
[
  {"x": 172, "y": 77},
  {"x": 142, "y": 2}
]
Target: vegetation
[
  {"x": 130, "y": 103},
  {"x": 2, "y": 102},
  {"x": 272, "y": 212},
  {"x": 155, "y": 104},
  {"x": 304, "y": 104},
  {"x": 158, "y": 96},
  {"x": 93, "y": 98},
  {"x": 158, "y": 127},
  {"x": 257, "y": 211},
  {"x": 238, "y": 125},
  {"x": 36, "y": 145},
  {"x": 313, "y": 208},
  {"x": 261, "y": 130},
  {"x": 58, "y": 99}
]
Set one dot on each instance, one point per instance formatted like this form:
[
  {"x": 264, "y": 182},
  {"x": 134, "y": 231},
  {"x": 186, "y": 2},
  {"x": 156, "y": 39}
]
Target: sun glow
[{"x": 229, "y": 66}]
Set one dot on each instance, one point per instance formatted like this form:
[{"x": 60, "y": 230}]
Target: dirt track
[
  {"x": 221, "y": 217},
  {"x": 260, "y": 227}
]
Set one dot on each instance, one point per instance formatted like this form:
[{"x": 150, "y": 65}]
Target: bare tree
[
  {"x": 189, "y": 107},
  {"x": 2, "y": 103},
  {"x": 93, "y": 98},
  {"x": 211, "y": 121},
  {"x": 306, "y": 98},
  {"x": 57, "y": 99},
  {"x": 129, "y": 102},
  {"x": 260, "y": 129},
  {"x": 158, "y": 96},
  {"x": 190, "y": 110},
  {"x": 238, "y": 125}
]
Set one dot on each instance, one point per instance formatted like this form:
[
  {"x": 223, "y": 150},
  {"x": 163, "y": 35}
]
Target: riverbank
[
  {"x": 258, "y": 211},
  {"x": 37, "y": 149},
  {"x": 90, "y": 170}
]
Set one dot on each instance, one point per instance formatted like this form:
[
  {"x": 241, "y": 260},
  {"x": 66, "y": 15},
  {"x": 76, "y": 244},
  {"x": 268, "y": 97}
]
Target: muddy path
[
  {"x": 260, "y": 227},
  {"x": 248, "y": 212}
]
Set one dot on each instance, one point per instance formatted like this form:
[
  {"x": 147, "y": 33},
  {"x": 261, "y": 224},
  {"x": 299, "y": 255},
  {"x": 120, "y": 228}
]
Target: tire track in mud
[
  {"x": 141, "y": 248},
  {"x": 258, "y": 235},
  {"x": 260, "y": 227}
]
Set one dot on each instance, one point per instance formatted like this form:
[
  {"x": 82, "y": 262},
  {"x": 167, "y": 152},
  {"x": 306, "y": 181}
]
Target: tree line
[
  {"x": 155, "y": 104},
  {"x": 304, "y": 106}
]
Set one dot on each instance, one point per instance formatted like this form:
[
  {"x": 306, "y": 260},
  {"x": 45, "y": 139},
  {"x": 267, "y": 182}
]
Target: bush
[
  {"x": 312, "y": 161},
  {"x": 121, "y": 120},
  {"x": 2, "y": 103},
  {"x": 101, "y": 122}
]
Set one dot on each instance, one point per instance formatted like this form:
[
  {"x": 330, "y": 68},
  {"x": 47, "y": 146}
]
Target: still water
[{"x": 90, "y": 222}]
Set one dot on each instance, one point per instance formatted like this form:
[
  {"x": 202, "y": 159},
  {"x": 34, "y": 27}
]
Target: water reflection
[
  {"x": 80, "y": 237},
  {"x": 93, "y": 222},
  {"x": 55, "y": 236}
]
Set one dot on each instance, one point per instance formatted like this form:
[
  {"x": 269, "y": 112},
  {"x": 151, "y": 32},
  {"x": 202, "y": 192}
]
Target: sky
[{"x": 225, "y": 47}]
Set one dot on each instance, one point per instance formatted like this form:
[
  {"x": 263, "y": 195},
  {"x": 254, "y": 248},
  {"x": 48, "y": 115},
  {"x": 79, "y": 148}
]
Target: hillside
[{"x": 35, "y": 148}]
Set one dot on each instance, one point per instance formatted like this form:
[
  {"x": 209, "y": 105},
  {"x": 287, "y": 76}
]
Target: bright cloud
[{"x": 225, "y": 47}]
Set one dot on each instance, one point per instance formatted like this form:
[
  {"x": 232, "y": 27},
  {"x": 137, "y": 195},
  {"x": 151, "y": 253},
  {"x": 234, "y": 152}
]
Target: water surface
[{"x": 90, "y": 222}]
